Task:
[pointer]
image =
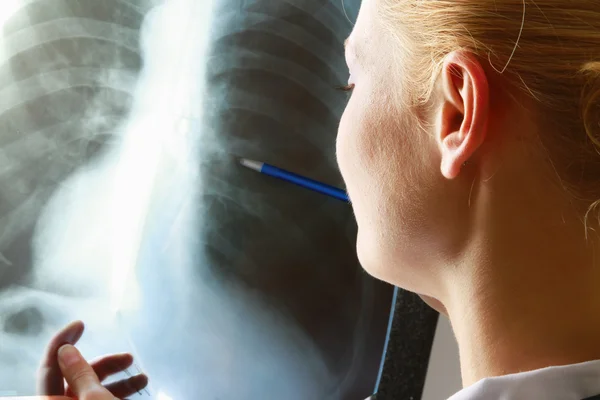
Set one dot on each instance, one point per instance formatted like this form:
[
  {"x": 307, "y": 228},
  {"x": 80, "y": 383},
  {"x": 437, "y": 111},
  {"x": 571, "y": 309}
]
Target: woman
[{"x": 469, "y": 151}]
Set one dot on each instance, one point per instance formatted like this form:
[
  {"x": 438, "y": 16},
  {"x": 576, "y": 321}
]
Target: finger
[
  {"x": 50, "y": 379},
  {"x": 79, "y": 374},
  {"x": 110, "y": 365},
  {"x": 128, "y": 387}
]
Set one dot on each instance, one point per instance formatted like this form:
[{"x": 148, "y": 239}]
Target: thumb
[{"x": 78, "y": 373}]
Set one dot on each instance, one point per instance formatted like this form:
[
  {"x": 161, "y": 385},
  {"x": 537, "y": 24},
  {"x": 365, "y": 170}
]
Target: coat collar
[{"x": 569, "y": 382}]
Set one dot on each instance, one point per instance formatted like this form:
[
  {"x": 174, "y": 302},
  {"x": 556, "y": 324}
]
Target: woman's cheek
[{"x": 343, "y": 142}]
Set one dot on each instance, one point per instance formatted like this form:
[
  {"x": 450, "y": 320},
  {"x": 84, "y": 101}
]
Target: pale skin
[{"x": 495, "y": 244}]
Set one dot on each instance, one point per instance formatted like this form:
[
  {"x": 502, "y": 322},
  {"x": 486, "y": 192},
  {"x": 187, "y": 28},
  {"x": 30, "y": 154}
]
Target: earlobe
[{"x": 463, "y": 111}]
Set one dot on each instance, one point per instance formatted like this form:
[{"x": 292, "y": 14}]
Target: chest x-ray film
[{"x": 122, "y": 203}]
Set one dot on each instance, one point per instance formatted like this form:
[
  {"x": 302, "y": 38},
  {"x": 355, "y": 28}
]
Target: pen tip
[{"x": 255, "y": 165}]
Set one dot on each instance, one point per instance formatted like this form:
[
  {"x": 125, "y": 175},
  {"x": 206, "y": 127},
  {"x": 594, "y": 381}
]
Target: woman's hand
[
  {"x": 80, "y": 376},
  {"x": 63, "y": 362}
]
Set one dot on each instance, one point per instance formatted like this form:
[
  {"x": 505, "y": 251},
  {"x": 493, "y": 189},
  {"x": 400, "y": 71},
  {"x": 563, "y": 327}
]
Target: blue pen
[{"x": 287, "y": 176}]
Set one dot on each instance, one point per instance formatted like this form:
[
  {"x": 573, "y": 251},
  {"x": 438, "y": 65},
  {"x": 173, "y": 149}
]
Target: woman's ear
[{"x": 463, "y": 111}]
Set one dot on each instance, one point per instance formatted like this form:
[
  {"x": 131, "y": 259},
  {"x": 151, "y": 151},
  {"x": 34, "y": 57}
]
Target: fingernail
[
  {"x": 74, "y": 334},
  {"x": 68, "y": 356},
  {"x": 71, "y": 338}
]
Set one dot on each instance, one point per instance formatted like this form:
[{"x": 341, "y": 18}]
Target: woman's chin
[
  {"x": 392, "y": 265},
  {"x": 368, "y": 253}
]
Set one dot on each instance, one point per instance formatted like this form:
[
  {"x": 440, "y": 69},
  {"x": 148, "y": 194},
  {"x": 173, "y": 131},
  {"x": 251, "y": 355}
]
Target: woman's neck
[{"x": 527, "y": 296}]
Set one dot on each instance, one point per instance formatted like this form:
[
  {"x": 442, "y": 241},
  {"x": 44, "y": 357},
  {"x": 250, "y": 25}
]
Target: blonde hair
[{"x": 548, "y": 49}]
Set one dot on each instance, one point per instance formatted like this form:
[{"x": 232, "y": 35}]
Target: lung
[{"x": 122, "y": 203}]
